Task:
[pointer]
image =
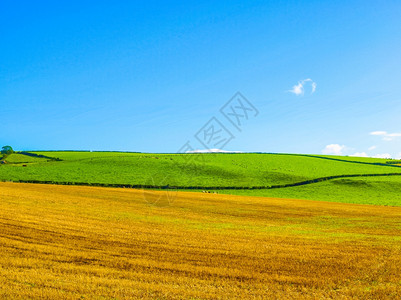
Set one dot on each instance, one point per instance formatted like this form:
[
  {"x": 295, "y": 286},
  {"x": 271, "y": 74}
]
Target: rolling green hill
[
  {"x": 235, "y": 173},
  {"x": 364, "y": 190},
  {"x": 17, "y": 158}
]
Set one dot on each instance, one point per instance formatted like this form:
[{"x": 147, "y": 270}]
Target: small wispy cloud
[
  {"x": 385, "y": 135},
  {"x": 372, "y": 148},
  {"x": 314, "y": 85},
  {"x": 378, "y": 133},
  {"x": 335, "y": 149},
  {"x": 299, "y": 89}
]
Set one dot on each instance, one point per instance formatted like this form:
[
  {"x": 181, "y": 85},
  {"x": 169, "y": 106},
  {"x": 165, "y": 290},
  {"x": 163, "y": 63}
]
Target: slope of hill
[
  {"x": 235, "y": 171},
  {"x": 18, "y": 158},
  {"x": 362, "y": 190},
  {"x": 241, "y": 170}
]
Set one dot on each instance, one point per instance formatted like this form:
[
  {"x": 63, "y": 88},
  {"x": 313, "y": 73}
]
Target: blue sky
[{"x": 148, "y": 75}]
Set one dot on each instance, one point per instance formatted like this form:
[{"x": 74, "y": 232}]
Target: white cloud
[
  {"x": 299, "y": 89},
  {"x": 378, "y": 133},
  {"x": 212, "y": 151},
  {"x": 314, "y": 85},
  {"x": 360, "y": 154},
  {"x": 385, "y": 135},
  {"x": 372, "y": 148},
  {"x": 335, "y": 149},
  {"x": 384, "y": 155}
]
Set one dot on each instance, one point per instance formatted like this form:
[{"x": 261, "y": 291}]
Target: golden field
[{"x": 69, "y": 242}]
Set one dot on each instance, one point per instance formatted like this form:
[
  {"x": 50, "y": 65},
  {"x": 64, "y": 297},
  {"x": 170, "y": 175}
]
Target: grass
[
  {"x": 239, "y": 170},
  {"x": 103, "y": 243},
  {"x": 217, "y": 170},
  {"x": 367, "y": 190},
  {"x": 16, "y": 158}
]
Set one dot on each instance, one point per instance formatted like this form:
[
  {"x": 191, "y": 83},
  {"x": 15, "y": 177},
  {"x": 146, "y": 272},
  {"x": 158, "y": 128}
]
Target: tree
[{"x": 7, "y": 150}]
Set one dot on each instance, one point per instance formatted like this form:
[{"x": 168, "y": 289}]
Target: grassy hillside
[
  {"x": 68, "y": 242},
  {"x": 366, "y": 190},
  {"x": 240, "y": 170},
  {"x": 17, "y": 158},
  {"x": 217, "y": 170}
]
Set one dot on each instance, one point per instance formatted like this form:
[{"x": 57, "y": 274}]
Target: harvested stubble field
[{"x": 75, "y": 242}]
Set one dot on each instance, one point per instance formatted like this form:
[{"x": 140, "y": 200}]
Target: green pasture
[{"x": 242, "y": 170}]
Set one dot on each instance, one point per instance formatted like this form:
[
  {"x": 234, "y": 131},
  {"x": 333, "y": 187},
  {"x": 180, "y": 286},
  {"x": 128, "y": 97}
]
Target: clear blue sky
[{"x": 147, "y": 75}]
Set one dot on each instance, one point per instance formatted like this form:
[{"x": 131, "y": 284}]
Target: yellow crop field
[{"x": 70, "y": 242}]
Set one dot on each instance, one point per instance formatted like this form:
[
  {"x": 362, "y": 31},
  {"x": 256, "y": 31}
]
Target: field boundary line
[
  {"x": 157, "y": 187},
  {"x": 342, "y": 160}
]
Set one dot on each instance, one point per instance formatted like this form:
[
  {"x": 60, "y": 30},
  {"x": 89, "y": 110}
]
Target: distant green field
[
  {"x": 217, "y": 170},
  {"x": 16, "y": 158},
  {"x": 238, "y": 170},
  {"x": 366, "y": 190}
]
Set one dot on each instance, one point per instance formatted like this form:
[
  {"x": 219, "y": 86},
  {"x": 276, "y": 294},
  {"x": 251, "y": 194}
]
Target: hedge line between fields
[
  {"x": 386, "y": 164},
  {"x": 393, "y": 162},
  {"x": 38, "y": 155},
  {"x": 160, "y": 187}
]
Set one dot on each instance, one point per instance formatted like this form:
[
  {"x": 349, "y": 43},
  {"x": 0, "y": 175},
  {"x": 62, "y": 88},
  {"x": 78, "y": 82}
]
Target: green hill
[
  {"x": 235, "y": 173},
  {"x": 17, "y": 158}
]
